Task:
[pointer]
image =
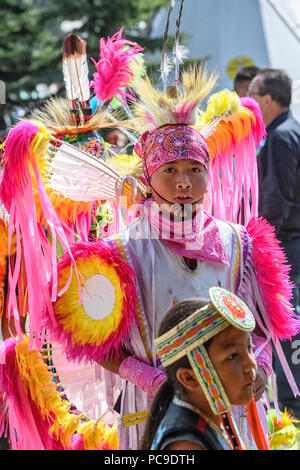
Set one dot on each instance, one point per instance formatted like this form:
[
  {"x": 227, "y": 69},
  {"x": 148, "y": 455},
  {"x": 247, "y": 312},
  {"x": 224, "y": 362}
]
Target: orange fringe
[{"x": 230, "y": 130}]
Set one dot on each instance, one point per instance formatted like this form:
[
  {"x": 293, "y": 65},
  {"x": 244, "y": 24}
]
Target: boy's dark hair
[
  {"x": 164, "y": 396},
  {"x": 246, "y": 73},
  {"x": 277, "y": 84}
]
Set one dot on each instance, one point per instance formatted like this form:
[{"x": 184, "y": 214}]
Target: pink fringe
[
  {"x": 28, "y": 430},
  {"x": 112, "y": 347},
  {"x": 258, "y": 130},
  {"x": 39, "y": 255},
  {"x": 263, "y": 353},
  {"x": 17, "y": 150},
  {"x": 273, "y": 279},
  {"x": 114, "y": 71},
  {"x": 233, "y": 173}
]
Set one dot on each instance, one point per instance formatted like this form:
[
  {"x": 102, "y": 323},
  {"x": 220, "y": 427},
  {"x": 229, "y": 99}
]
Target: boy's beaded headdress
[{"x": 190, "y": 335}]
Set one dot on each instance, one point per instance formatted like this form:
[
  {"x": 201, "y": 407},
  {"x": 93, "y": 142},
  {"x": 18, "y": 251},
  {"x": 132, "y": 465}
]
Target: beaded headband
[
  {"x": 188, "y": 337},
  {"x": 169, "y": 143}
]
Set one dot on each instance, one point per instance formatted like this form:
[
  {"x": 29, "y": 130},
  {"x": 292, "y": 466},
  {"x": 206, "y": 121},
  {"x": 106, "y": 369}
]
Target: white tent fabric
[{"x": 233, "y": 33}]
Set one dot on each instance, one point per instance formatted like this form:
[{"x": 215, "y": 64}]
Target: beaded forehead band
[
  {"x": 188, "y": 337},
  {"x": 170, "y": 143}
]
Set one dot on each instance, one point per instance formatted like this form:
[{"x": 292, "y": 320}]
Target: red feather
[{"x": 256, "y": 427}]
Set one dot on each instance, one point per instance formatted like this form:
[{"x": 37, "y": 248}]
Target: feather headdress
[
  {"x": 71, "y": 175},
  {"x": 156, "y": 108},
  {"x": 72, "y": 115},
  {"x": 232, "y": 128}
]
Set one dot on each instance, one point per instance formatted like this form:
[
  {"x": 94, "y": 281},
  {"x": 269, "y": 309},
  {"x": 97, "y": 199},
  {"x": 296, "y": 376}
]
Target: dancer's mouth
[{"x": 184, "y": 199}]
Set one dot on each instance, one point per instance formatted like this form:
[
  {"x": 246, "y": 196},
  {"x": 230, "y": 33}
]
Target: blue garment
[{"x": 279, "y": 177}]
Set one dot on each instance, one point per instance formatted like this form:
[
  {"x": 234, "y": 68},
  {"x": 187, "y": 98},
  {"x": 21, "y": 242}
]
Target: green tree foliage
[
  {"x": 28, "y": 53},
  {"x": 31, "y": 37}
]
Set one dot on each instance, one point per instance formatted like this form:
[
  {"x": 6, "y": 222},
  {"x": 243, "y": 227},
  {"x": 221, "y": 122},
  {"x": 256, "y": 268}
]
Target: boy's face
[
  {"x": 232, "y": 356},
  {"x": 179, "y": 182}
]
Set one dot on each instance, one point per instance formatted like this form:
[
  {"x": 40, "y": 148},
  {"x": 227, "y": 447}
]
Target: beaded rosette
[
  {"x": 96, "y": 304},
  {"x": 189, "y": 336}
]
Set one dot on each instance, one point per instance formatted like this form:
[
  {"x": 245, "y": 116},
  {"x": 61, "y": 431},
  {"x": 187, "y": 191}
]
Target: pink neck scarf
[{"x": 197, "y": 237}]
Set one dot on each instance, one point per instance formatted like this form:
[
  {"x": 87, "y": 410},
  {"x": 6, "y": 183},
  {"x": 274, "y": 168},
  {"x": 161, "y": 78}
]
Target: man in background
[
  {"x": 279, "y": 197},
  {"x": 243, "y": 79}
]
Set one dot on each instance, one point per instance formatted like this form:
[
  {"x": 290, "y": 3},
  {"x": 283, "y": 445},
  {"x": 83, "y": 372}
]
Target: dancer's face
[
  {"x": 179, "y": 182},
  {"x": 232, "y": 356}
]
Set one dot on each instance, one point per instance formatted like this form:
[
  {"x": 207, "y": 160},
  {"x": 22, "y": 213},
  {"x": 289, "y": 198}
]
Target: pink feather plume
[
  {"x": 186, "y": 112},
  {"x": 114, "y": 68},
  {"x": 273, "y": 278},
  {"x": 17, "y": 151}
]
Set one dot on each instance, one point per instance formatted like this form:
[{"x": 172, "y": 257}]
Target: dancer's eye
[
  {"x": 169, "y": 170},
  {"x": 232, "y": 356}
]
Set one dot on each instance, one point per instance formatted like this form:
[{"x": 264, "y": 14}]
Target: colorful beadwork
[
  {"x": 169, "y": 143},
  {"x": 208, "y": 378},
  {"x": 234, "y": 310},
  {"x": 96, "y": 148},
  {"x": 189, "y": 333},
  {"x": 90, "y": 143}
]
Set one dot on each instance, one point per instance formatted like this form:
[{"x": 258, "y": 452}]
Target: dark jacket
[
  {"x": 182, "y": 424},
  {"x": 279, "y": 177}
]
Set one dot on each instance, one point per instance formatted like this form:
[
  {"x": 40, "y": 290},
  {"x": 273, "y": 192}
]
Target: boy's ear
[{"x": 187, "y": 378}]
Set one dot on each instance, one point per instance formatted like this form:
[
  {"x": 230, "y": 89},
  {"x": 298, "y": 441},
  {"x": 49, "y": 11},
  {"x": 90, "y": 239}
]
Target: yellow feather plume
[
  {"x": 224, "y": 122},
  {"x": 220, "y": 104},
  {"x": 284, "y": 433},
  {"x": 126, "y": 164}
]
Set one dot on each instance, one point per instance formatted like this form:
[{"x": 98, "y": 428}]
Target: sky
[{"x": 233, "y": 33}]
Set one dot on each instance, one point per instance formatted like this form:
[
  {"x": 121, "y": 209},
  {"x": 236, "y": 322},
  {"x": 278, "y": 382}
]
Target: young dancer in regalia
[
  {"x": 205, "y": 347},
  {"x": 179, "y": 256},
  {"x": 107, "y": 297}
]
